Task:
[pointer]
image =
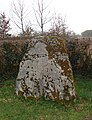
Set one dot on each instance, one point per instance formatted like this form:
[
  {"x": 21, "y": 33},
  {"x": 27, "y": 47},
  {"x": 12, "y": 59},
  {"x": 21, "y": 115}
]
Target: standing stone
[{"x": 45, "y": 70}]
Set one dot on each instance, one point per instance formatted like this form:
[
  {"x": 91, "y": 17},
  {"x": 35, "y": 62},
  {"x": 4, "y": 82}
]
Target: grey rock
[{"x": 39, "y": 75}]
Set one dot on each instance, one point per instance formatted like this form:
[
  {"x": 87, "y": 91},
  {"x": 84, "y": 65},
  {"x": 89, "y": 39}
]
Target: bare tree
[
  {"x": 58, "y": 26},
  {"x": 41, "y": 14},
  {"x": 19, "y": 14}
]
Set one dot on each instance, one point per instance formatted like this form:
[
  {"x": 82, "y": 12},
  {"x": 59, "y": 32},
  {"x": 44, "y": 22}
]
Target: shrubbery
[
  {"x": 81, "y": 61},
  {"x": 11, "y": 57},
  {"x": 80, "y": 66}
]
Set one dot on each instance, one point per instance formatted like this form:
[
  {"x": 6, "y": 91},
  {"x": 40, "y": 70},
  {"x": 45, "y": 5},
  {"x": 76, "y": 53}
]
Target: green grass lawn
[{"x": 16, "y": 108}]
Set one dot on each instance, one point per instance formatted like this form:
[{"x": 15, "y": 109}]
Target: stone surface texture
[{"x": 45, "y": 70}]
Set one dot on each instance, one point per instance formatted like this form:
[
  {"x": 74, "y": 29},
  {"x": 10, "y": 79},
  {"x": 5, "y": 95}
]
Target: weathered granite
[{"x": 45, "y": 70}]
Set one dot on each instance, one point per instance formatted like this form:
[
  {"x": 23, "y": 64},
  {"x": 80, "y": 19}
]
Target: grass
[{"x": 16, "y": 108}]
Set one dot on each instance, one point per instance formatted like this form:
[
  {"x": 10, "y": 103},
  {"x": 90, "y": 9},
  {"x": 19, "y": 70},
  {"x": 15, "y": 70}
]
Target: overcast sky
[{"x": 76, "y": 12}]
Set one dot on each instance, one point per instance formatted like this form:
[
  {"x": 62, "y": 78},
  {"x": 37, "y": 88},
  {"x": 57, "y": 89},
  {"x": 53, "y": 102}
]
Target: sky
[{"x": 77, "y": 13}]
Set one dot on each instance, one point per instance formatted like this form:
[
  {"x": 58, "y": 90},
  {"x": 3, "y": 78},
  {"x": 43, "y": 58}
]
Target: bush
[
  {"x": 81, "y": 62},
  {"x": 86, "y": 69},
  {"x": 12, "y": 55}
]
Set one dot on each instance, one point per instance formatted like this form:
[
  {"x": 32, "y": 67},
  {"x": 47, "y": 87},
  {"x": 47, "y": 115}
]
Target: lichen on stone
[{"x": 45, "y": 70}]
